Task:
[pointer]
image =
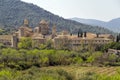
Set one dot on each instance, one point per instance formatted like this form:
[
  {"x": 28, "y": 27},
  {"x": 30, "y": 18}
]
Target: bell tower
[
  {"x": 44, "y": 28},
  {"x": 54, "y": 29}
]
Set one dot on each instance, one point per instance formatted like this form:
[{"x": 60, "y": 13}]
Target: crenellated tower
[{"x": 54, "y": 30}]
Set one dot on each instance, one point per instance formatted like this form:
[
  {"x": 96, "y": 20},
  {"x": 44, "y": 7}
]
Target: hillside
[
  {"x": 113, "y": 25},
  {"x": 13, "y": 12},
  {"x": 89, "y": 21}
]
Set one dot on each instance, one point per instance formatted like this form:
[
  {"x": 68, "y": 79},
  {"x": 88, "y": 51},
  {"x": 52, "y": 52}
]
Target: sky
[{"x": 104, "y": 10}]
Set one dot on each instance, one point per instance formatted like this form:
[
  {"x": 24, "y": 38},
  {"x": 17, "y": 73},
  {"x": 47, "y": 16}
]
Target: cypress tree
[
  {"x": 85, "y": 34},
  {"x": 117, "y": 38},
  {"x": 78, "y": 34}
]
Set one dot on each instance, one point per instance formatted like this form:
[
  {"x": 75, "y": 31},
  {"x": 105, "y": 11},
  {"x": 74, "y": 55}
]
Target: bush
[{"x": 77, "y": 60}]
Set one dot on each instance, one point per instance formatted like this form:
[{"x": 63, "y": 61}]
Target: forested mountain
[
  {"x": 113, "y": 25},
  {"x": 13, "y": 12}
]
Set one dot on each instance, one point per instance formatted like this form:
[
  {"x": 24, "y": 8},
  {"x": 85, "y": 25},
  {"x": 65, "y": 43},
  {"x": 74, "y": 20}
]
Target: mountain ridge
[
  {"x": 113, "y": 25},
  {"x": 13, "y": 12}
]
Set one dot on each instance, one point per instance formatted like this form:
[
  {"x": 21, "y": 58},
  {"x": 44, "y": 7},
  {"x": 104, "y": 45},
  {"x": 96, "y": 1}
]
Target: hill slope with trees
[{"x": 13, "y": 12}]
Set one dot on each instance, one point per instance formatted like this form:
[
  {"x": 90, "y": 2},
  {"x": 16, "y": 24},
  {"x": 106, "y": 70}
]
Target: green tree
[
  {"x": 90, "y": 59},
  {"x": 25, "y": 43},
  {"x": 2, "y": 46},
  {"x": 9, "y": 57},
  {"x": 77, "y": 60}
]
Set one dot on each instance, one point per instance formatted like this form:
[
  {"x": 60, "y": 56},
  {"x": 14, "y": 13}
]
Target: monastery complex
[{"x": 42, "y": 33}]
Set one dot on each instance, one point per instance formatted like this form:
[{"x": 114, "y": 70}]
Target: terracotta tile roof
[
  {"x": 105, "y": 35},
  {"x": 89, "y": 36}
]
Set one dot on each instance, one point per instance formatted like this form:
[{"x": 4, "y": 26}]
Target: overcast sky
[{"x": 89, "y": 9}]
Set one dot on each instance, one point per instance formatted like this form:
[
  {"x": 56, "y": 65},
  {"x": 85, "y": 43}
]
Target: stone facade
[
  {"x": 9, "y": 40},
  {"x": 75, "y": 41}
]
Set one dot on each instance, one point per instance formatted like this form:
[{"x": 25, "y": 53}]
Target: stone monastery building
[{"x": 41, "y": 34}]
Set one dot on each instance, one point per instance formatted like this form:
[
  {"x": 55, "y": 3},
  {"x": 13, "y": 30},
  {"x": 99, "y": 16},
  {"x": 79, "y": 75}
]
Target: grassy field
[
  {"x": 78, "y": 71},
  {"x": 62, "y": 73}
]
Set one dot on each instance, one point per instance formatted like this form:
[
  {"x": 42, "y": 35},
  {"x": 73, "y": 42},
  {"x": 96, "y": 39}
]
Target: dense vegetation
[
  {"x": 13, "y": 12},
  {"x": 28, "y": 55},
  {"x": 24, "y": 64},
  {"x": 23, "y": 59},
  {"x": 34, "y": 74},
  {"x": 27, "y": 62},
  {"x": 113, "y": 45},
  {"x": 30, "y": 63}
]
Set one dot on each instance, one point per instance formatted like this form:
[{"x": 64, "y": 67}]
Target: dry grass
[{"x": 79, "y": 71}]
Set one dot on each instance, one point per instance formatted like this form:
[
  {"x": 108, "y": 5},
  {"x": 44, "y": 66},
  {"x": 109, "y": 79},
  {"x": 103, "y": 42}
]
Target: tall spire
[
  {"x": 26, "y": 23},
  {"x": 54, "y": 29}
]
